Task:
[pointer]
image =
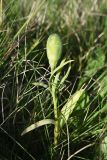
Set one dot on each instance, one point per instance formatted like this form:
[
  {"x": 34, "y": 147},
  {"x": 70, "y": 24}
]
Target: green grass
[{"x": 25, "y": 97}]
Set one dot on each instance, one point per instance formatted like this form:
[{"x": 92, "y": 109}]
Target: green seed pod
[{"x": 54, "y": 50}]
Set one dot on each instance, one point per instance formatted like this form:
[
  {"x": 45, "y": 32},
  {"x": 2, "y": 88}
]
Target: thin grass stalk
[{"x": 1, "y": 12}]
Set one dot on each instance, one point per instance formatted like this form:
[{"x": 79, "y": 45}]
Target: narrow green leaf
[
  {"x": 69, "y": 107},
  {"x": 66, "y": 75},
  {"x": 37, "y": 124}
]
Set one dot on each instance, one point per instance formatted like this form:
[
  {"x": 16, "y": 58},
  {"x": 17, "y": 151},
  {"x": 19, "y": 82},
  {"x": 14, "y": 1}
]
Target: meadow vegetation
[{"x": 53, "y": 111}]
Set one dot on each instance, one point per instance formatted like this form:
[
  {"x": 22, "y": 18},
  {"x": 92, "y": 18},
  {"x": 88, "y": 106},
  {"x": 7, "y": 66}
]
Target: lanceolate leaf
[
  {"x": 38, "y": 124},
  {"x": 69, "y": 107}
]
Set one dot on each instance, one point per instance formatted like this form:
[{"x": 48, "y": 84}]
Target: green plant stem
[
  {"x": 54, "y": 85},
  {"x": 55, "y": 103},
  {"x": 56, "y": 128}
]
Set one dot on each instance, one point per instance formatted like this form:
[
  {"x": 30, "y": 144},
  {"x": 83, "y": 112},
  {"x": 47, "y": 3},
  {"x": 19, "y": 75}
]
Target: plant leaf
[
  {"x": 63, "y": 63},
  {"x": 66, "y": 75},
  {"x": 69, "y": 107},
  {"x": 37, "y": 124},
  {"x": 103, "y": 84}
]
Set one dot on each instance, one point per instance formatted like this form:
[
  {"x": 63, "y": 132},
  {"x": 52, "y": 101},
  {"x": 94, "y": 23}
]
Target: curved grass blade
[{"x": 38, "y": 124}]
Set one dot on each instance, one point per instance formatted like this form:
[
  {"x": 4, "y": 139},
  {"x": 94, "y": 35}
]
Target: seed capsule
[{"x": 54, "y": 50}]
